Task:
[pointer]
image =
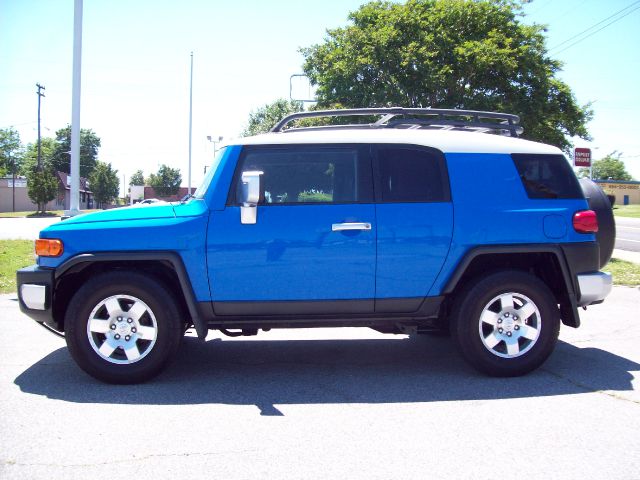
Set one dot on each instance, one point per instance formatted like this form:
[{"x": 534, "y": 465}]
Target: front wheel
[
  {"x": 122, "y": 327},
  {"x": 506, "y": 324}
]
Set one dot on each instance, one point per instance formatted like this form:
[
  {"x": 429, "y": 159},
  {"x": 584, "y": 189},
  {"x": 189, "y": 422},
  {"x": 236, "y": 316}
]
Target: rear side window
[
  {"x": 411, "y": 174},
  {"x": 547, "y": 176}
]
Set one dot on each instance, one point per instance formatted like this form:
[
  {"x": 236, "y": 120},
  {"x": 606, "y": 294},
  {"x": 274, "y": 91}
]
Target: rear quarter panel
[{"x": 491, "y": 207}]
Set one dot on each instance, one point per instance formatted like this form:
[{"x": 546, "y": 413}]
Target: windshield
[{"x": 202, "y": 189}]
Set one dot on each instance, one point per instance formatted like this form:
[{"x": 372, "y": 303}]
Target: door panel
[
  {"x": 413, "y": 241},
  {"x": 292, "y": 254}
]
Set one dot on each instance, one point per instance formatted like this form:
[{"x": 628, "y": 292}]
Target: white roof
[{"x": 447, "y": 141}]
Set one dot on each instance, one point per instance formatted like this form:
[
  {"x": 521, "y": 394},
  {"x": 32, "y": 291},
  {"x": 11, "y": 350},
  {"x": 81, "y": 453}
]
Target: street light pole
[
  {"x": 214, "y": 141},
  {"x": 190, "y": 122},
  {"x": 74, "y": 204}
]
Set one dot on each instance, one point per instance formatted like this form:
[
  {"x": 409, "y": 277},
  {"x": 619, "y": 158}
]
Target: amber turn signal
[{"x": 49, "y": 247}]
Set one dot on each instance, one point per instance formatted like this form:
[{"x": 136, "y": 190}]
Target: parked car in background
[{"x": 150, "y": 201}]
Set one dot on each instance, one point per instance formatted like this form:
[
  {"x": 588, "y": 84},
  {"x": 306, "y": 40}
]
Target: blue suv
[{"x": 407, "y": 220}]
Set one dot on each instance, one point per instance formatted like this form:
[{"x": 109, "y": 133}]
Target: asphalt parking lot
[{"x": 342, "y": 403}]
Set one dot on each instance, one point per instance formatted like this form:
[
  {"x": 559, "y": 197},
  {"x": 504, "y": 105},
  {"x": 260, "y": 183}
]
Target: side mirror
[{"x": 251, "y": 186}]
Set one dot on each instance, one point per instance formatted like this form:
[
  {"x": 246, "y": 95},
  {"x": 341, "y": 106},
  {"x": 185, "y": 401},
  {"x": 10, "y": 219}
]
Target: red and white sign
[{"x": 582, "y": 157}]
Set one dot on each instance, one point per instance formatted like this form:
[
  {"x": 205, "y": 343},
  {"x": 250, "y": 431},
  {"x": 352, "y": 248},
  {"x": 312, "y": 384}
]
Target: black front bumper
[{"x": 35, "y": 294}]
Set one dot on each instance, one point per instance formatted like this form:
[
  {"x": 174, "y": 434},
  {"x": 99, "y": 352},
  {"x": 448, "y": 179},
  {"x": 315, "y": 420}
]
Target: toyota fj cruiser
[{"x": 408, "y": 220}]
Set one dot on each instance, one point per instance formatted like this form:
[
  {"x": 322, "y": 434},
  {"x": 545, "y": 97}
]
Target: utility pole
[
  {"x": 40, "y": 95},
  {"x": 13, "y": 169}
]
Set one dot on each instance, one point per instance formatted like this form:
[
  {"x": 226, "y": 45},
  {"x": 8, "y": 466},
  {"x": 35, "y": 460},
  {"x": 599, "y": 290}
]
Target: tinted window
[
  {"x": 411, "y": 175},
  {"x": 547, "y": 176},
  {"x": 307, "y": 174}
]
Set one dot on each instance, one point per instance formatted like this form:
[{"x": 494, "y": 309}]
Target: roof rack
[{"x": 414, "y": 118}]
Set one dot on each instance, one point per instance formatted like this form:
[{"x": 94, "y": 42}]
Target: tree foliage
[
  {"x": 137, "y": 178},
  {"x": 265, "y": 118},
  {"x": 42, "y": 187},
  {"x": 104, "y": 183},
  {"x": 467, "y": 54},
  {"x": 89, "y": 145},
  {"x": 166, "y": 182},
  {"x": 10, "y": 151},
  {"x": 30, "y": 159},
  {"x": 610, "y": 168}
]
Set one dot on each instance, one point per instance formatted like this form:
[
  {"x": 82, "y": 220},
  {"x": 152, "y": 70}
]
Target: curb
[{"x": 633, "y": 257}]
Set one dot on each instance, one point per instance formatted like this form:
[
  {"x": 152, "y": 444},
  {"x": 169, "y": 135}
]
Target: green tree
[
  {"x": 468, "y": 54},
  {"x": 137, "y": 178},
  {"x": 104, "y": 183},
  {"x": 89, "y": 145},
  {"x": 10, "y": 151},
  {"x": 42, "y": 187},
  {"x": 264, "y": 118},
  {"x": 166, "y": 182},
  {"x": 30, "y": 159},
  {"x": 610, "y": 168}
]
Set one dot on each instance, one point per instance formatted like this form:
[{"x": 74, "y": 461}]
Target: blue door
[
  {"x": 312, "y": 249},
  {"x": 415, "y": 224}
]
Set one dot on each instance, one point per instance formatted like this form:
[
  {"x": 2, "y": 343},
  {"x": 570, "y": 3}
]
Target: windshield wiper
[{"x": 187, "y": 197}]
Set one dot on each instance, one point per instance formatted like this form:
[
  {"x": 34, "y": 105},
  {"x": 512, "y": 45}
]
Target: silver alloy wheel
[
  {"x": 122, "y": 329},
  {"x": 509, "y": 325}
]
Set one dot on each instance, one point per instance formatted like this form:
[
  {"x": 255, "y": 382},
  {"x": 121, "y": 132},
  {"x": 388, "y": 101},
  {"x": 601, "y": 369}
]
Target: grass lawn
[
  {"x": 14, "y": 254},
  {"x": 624, "y": 273},
  {"x": 51, "y": 213},
  {"x": 627, "y": 211}
]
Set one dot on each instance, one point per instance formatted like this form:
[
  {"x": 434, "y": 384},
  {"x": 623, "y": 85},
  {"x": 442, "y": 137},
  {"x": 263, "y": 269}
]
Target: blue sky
[{"x": 135, "y": 83}]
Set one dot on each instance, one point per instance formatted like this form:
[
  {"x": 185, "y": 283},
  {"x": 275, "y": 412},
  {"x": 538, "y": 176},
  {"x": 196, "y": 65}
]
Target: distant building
[
  {"x": 24, "y": 204},
  {"x": 63, "y": 201},
  {"x": 626, "y": 193}
]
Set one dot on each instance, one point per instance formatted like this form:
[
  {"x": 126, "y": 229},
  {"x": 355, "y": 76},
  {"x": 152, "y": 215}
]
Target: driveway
[{"x": 322, "y": 404}]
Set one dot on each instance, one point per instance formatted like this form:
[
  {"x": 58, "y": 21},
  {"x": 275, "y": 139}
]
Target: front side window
[
  {"x": 305, "y": 174},
  {"x": 408, "y": 174}
]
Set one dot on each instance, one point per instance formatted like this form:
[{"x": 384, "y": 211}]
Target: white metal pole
[
  {"x": 74, "y": 207},
  {"x": 190, "y": 123}
]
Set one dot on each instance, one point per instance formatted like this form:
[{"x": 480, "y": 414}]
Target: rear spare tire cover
[{"x": 599, "y": 203}]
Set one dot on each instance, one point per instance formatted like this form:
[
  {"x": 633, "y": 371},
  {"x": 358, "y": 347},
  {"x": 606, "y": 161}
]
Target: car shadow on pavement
[{"x": 269, "y": 373}]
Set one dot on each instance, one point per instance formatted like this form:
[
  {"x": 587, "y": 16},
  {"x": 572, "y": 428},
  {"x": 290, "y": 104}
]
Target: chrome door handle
[{"x": 341, "y": 227}]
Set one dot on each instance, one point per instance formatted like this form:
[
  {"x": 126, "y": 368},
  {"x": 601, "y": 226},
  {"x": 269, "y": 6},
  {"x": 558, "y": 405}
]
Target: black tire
[
  {"x": 600, "y": 203},
  {"x": 123, "y": 327},
  {"x": 479, "y": 314}
]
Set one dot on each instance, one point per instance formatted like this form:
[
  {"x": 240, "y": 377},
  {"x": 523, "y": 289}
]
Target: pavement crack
[
  {"x": 590, "y": 389},
  {"x": 134, "y": 459}
]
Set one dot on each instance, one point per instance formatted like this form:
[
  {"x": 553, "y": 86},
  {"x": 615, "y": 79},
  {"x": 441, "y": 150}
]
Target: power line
[
  {"x": 567, "y": 12},
  {"x": 595, "y": 25}
]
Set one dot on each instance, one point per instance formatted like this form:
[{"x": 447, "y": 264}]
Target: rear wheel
[
  {"x": 506, "y": 324},
  {"x": 122, "y": 327}
]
